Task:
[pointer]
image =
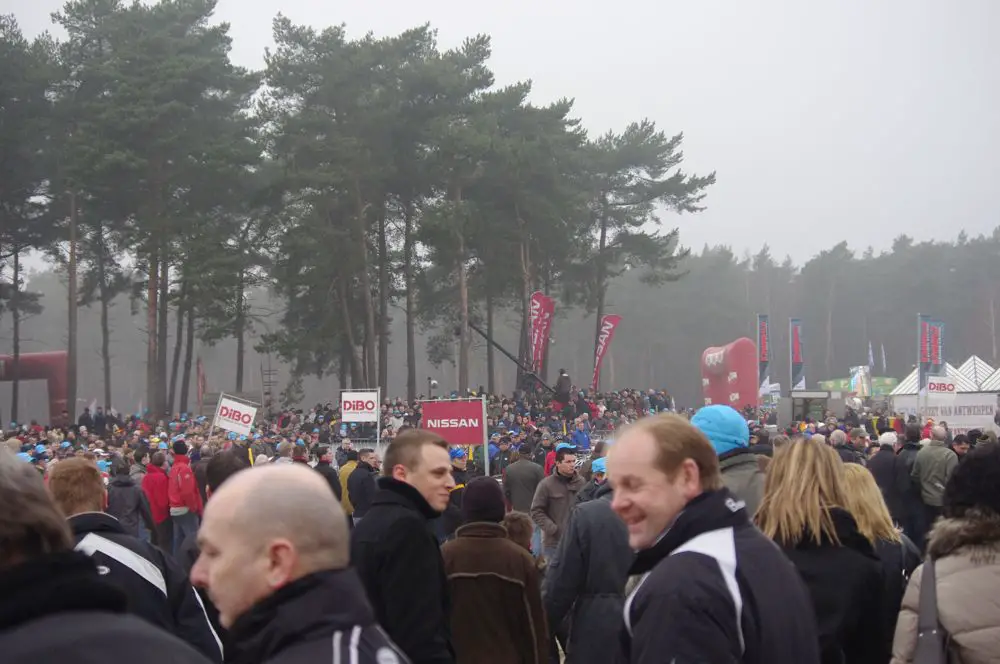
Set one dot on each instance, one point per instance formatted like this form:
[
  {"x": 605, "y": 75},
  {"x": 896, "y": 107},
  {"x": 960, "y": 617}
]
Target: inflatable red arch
[
  {"x": 50, "y": 367},
  {"x": 729, "y": 374}
]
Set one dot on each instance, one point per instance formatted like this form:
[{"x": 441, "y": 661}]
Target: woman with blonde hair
[
  {"x": 804, "y": 511},
  {"x": 899, "y": 555}
]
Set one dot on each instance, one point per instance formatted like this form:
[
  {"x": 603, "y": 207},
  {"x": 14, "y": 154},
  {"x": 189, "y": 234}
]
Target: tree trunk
[
  {"x": 490, "y": 367},
  {"x": 366, "y": 286},
  {"x": 524, "y": 345},
  {"x": 105, "y": 298},
  {"x": 463, "y": 308},
  {"x": 357, "y": 372},
  {"x": 163, "y": 335},
  {"x": 411, "y": 343},
  {"x": 599, "y": 282},
  {"x": 71, "y": 337},
  {"x": 383, "y": 304},
  {"x": 829, "y": 328},
  {"x": 152, "y": 292},
  {"x": 188, "y": 360},
  {"x": 343, "y": 366},
  {"x": 175, "y": 364},
  {"x": 240, "y": 328},
  {"x": 15, "y": 369}
]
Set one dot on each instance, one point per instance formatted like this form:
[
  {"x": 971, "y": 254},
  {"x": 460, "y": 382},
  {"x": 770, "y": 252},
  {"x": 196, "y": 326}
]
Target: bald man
[{"x": 274, "y": 559}]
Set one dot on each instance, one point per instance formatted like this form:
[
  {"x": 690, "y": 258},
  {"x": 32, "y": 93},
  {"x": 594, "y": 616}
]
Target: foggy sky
[{"x": 826, "y": 121}]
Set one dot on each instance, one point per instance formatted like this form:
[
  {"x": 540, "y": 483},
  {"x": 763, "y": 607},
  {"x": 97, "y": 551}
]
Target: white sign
[
  {"x": 359, "y": 406},
  {"x": 235, "y": 416},
  {"x": 962, "y": 411}
]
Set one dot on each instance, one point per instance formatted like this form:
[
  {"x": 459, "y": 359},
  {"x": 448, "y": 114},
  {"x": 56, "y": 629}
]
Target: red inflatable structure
[
  {"x": 51, "y": 367},
  {"x": 729, "y": 374}
]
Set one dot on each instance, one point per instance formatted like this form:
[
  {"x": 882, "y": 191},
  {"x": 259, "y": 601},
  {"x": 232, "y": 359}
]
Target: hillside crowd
[{"x": 683, "y": 537}]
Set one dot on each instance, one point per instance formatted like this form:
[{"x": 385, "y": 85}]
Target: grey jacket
[
  {"x": 931, "y": 470},
  {"x": 743, "y": 477},
  {"x": 520, "y": 481},
  {"x": 553, "y": 502}
]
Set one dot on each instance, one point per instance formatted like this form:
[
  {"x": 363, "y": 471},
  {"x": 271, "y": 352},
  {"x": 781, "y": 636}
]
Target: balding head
[
  {"x": 265, "y": 528},
  {"x": 939, "y": 433},
  {"x": 818, "y": 438}
]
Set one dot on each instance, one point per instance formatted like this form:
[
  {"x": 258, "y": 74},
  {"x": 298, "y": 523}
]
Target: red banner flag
[
  {"x": 609, "y": 323},
  {"x": 200, "y": 378},
  {"x": 458, "y": 422},
  {"x": 542, "y": 309}
]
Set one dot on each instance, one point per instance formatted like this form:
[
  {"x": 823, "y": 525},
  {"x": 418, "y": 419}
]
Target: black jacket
[
  {"x": 882, "y": 469},
  {"x": 157, "y": 588},
  {"x": 322, "y": 617},
  {"x": 57, "y": 608},
  {"x": 588, "y": 492},
  {"x": 127, "y": 502},
  {"x": 332, "y": 477},
  {"x": 361, "y": 488},
  {"x": 850, "y": 454},
  {"x": 843, "y": 580},
  {"x": 586, "y": 580},
  {"x": 710, "y": 566},
  {"x": 187, "y": 555},
  {"x": 451, "y": 518},
  {"x": 906, "y": 499},
  {"x": 520, "y": 481},
  {"x": 399, "y": 561},
  {"x": 899, "y": 559}
]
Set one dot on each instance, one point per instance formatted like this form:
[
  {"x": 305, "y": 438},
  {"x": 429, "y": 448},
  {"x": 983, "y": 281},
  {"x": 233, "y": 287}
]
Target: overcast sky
[{"x": 825, "y": 121}]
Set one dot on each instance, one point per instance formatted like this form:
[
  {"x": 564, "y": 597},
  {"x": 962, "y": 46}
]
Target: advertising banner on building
[
  {"x": 360, "y": 406},
  {"x": 796, "y": 357},
  {"x": 609, "y": 323},
  {"x": 764, "y": 353},
  {"x": 460, "y": 422},
  {"x": 234, "y": 416},
  {"x": 962, "y": 411}
]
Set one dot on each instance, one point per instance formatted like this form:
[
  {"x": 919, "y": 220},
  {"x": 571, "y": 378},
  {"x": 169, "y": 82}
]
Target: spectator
[
  {"x": 361, "y": 485},
  {"x": 184, "y": 496},
  {"x": 726, "y": 429},
  {"x": 397, "y": 554},
  {"x": 156, "y": 486},
  {"x": 846, "y": 452},
  {"x": 906, "y": 505},
  {"x": 519, "y": 529},
  {"x": 714, "y": 589},
  {"x": 157, "y": 588},
  {"x": 278, "y": 571},
  {"x": 53, "y": 601},
  {"x": 342, "y": 454},
  {"x": 555, "y": 497},
  {"x": 882, "y": 467},
  {"x": 128, "y": 503},
  {"x": 324, "y": 466},
  {"x": 345, "y": 474},
  {"x": 599, "y": 451},
  {"x": 520, "y": 482},
  {"x": 489, "y": 576},
  {"x": 200, "y": 467},
  {"x": 932, "y": 466},
  {"x": 598, "y": 479},
  {"x": 581, "y": 437}
]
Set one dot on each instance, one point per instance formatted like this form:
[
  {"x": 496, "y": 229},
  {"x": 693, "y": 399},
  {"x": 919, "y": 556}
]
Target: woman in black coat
[
  {"x": 898, "y": 554},
  {"x": 804, "y": 512}
]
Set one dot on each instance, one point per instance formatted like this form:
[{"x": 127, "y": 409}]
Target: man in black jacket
[
  {"x": 324, "y": 466},
  {"x": 398, "y": 556},
  {"x": 909, "y": 507},
  {"x": 157, "y": 588},
  {"x": 714, "y": 589},
  {"x": 361, "y": 484},
  {"x": 277, "y": 569},
  {"x": 54, "y": 605}
]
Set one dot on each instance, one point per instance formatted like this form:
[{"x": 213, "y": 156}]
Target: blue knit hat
[
  {"x": 599, "y": 466},
  {"x": 724, "y": 427}
]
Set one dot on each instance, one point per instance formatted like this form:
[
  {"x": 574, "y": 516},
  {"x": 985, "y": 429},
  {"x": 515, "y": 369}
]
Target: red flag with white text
[
  {"x": 540, "y": 324},
  {"x": 609, "y": 323}
]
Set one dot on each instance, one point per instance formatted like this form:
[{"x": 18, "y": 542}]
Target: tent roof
[
  {"x": 992, "y": 382},
  {"x": 977, "y": 370},
  {"x": 962, "y": 383}
]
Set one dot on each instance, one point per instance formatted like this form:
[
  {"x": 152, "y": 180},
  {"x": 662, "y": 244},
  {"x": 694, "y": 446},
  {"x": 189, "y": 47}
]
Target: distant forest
[{"x": 845, "y": 299}]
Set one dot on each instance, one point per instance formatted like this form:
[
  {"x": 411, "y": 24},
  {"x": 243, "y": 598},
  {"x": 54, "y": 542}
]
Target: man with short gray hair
[
  {"x": 932, "y": 467},
  {"x": 838, "y": 440}
]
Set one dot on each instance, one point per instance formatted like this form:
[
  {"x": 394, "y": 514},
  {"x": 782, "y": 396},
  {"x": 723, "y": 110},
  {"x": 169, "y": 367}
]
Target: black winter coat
[
  {"x": 710, "y": 567},
  {"x": 361, "y": 488},
  {"x": 899, "y": 559},
  {"x": 882, "y": 467},
  {"x": 157, "y": 588},
  {"x": 399, "y": 561},
  {"x": 850, "y": 454},
  {"x": 127, "y": 502},
  {"x": 186, "y": 556},
  {"x": 586, "y": 580},
  {"x": 906, "y": 498},
  {"x": 843, "y": 580},
  {"x": 322, "y": 617},
  {"x": 332, "y": 477},
  {"x": 57, "y": 608}
]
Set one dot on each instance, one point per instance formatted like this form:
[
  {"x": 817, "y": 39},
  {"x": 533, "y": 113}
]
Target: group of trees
[{"x": 350, "y": 178}]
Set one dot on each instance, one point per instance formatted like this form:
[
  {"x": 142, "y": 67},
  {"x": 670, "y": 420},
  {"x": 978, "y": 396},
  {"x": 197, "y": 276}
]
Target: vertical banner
[
  {"x": 764, "y": 353},
  {"x": 923, "y": 351},
  {"x": 609, "y": 323},
  {"x": 540, "y": 326},
  {"x": 937, "y": 348},
  {"x": 796, "y": 360},
  {"x": 200, "y": 379}
]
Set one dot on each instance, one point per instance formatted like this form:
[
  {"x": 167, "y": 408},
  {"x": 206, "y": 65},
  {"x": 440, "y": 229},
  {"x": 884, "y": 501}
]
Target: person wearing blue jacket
[{"x": 581, "y": 437}]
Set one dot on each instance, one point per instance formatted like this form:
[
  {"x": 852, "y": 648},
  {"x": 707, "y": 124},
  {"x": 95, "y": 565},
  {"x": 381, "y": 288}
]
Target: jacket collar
[
  {"x": 482, "y": 530},
  {"x": 936, "y": 443},
  {"x": 180, "y": 459},
  {"x": 603, "y": 490},
  {"x": 393, "y": 492},
  {"x": 711, "y": 510},
  {"x": 310, "y": 608},
  {"x": 94, "y": 522},
  {"x": 55, "y": 583},
  {"x": 978, "y": 530},
  {"x": 737, "y": 457},
  {"x": 847, "y": 532},
  {"x": 155, "y": 469}
]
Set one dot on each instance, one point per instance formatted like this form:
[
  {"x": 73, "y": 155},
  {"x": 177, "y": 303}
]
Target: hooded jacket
[
  {"x": 128, "y": 504},
  {"x": 715, "y": 589},
  {"x": 156, "y": 486},
  {"x": 520, "y": 481},
  {"x": 586, "y": 580},
  {"x": 399, "y": 561},
  {"x": 842, "y": 580},
  {"x": 183, "y": 486},
  {"x": 743, "y": 477},
  {"x": 57, "y": 608},
  {"x": 157, "y": 588},
  {"x": 322, "y": 617}
]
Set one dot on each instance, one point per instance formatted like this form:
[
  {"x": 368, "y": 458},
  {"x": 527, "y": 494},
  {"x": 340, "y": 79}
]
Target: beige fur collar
[{"x": 978, "y": 531}]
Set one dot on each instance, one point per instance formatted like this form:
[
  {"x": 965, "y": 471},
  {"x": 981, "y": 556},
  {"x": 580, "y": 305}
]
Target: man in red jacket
[
  {"x": 155, "y": 484},
  {"x": 185, "y": 498}
]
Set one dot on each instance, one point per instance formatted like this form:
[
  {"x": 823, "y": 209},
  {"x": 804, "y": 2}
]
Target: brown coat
[
  {"x": 967, "y": 554},
  {"x": 496, "y": 598},
  {"x": 553, "y": 502}
]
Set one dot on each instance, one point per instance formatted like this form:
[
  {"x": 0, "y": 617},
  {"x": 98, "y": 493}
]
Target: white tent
[
  {"x": 962, "y": 382},
  {"x": 992, "y": 383},
  {"x": 977, "y": 370}
]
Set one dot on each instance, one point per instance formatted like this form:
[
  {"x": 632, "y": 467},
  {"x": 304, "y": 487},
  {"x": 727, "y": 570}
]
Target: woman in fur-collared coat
[{"x": 965, "y": 548}]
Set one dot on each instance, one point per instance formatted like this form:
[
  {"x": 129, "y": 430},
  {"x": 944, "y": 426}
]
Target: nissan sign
[
  {"x": 359, "y": 406},
  {"x": 235, "y": 416},
  {"x": 458, "y": 422}
]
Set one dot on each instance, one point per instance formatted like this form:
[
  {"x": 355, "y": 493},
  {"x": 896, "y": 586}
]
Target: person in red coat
[
  {"x": 156, "y": 485},
  {"x": 185, "y": 498}
]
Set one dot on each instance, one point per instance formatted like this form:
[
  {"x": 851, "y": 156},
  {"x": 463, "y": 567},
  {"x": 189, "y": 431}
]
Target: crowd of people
[{"x": 683, "y": 537}]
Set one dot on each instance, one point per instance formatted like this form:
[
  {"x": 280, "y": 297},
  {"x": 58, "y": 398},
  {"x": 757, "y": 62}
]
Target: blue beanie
[
  {"x": 725, "y": 428},
  {"x": 599, "y": 465}
]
